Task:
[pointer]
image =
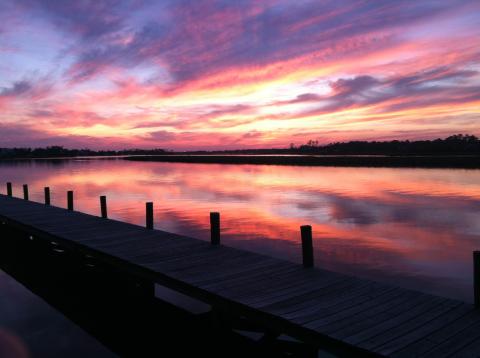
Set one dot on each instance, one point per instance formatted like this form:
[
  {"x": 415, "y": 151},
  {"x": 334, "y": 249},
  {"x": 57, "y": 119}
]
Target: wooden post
[
  {"x": 476, "y": 278},
  {"x": 149, "y": 215},
  {"x": 307, "y": 245},
  {"x": 25, "y": 191},
  {"x": 9, "y": 189},
  {"x": 47, "y": 195},
  {"x": 103, "y": 206},
  {"x": 215, "y": 228},
  {"x": 70, "y": 200}
]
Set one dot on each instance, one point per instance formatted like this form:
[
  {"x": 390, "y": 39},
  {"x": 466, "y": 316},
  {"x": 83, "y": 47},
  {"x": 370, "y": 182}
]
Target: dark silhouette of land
[
  {"x": 454, "y": 145},
  {"x": 461, "y": 162},
  {"x": 458, "y": 144},
  {"x": 456, "y": 151},
  {"x": 61, "y": 152}
]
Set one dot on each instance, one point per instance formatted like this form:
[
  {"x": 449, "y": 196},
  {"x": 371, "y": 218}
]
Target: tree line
[
  {"x": 61, "y": 152},
  {"x": 458, "y": 144},
  {"x": 455, "y": 145}
]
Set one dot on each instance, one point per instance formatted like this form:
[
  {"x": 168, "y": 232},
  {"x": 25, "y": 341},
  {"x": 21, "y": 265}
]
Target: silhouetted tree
[
  {"x": 455, "y": 144},
  {"x": 60, "y": 152}
]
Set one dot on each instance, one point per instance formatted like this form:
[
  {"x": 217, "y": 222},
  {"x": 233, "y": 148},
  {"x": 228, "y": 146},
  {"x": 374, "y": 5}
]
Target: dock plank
[
  {"x": 381, "y": 312},
  {"x": 338, "y": 313},
  {"x": 437, "y": 337},
  {"x": 423, "y": 330},
  {"x": 471, "y": 350},
  {"x": 393, "y": 318},
  {"x": 406, "y": 326},
  {"x": 457, "y": 343}
]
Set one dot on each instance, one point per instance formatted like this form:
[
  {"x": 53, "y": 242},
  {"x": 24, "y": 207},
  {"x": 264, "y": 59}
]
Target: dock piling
[
  {"x": 9, "y": 189},
  {"x": 103, "y": 206},
  {"x": 25, "y": 191},
  {"x": 149, "y": 215},
  {"x": 47, "y": 195},
  {"x": 476, "y": 278},
  {"x": 307, "y": 245},
  {"x": 70, "y": 200},
  {"x": 215, "y": 228}
]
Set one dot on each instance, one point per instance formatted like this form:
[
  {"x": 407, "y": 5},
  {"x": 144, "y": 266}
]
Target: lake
[
  {"x": 29, "y": 327},
  {"x": 415, "y": 228}
]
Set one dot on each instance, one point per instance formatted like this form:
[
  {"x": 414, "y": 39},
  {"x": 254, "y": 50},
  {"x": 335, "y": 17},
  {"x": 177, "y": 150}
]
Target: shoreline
[
  {"x": 443, "y": 161},
  {"x": 373, "y": 161}
]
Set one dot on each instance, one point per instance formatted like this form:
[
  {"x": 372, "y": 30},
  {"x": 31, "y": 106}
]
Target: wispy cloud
[{"x": 194, "y": 74}]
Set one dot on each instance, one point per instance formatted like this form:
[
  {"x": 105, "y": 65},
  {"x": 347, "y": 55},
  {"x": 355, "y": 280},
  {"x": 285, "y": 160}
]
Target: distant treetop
[{"x": 454, "y": 144}]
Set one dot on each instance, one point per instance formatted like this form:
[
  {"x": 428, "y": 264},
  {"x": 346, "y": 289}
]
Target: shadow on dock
[{"x": 119, "y": 311}]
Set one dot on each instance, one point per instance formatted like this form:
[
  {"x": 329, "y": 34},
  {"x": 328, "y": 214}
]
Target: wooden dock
[{"x": 335, "y": 312}]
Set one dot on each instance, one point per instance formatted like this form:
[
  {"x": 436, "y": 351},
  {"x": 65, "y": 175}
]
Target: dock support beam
[
  {"x": 476, "y": 278},
  {"x": 9, "y": 189},
  {"x": 307, "y": 245},
  {"x": 25, "y": 191},
  {"x": 103, "y": 206},
  {"x": 47, "y": 195},
  {"x": 70, "y": 200},
  {"x": 215, "y": 228},
  {"x": 149, "y": 215}
]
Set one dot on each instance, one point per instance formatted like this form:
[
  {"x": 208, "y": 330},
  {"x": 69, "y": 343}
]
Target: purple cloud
[
  {"x": 88, "y": 19},
  {"x": 192, "y": 40},
  {"x": 16, "y": 89},
  {"x": 30, "y": 89},
  {"x": 412, "y": 91}
]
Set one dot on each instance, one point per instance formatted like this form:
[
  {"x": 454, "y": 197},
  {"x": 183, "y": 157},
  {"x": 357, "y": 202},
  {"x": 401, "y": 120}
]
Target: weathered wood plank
[
  {"x": 456, "y": 343},
  {"x": 395, "y": 320},
  {"x": 333, "y": 305},
  {"x": 440, "y": 335},
  {"x": 407, "y": 325},
  {"x": 321, "y": 298},
  {"x": 423, "y": 330},
  {"x": 378, "y": 314},
  {"x": 249, "y": 273},
  {"x": 339, "y": 313},
  {"x": 371, "y": 318},
  {"x": 471, "y": 350},
  {"x": 274, "y": 289},
  {"x": 298, "y": 287}
]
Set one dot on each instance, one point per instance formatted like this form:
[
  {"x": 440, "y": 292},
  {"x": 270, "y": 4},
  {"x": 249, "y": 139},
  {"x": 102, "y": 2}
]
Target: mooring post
[
  {"x": 25, "y": 191},
  {"x": 103, "y": 206},
  {"x": 476, "y": 278},
  {"x": 307, "y": 245},
  {"x": 149, "y": 215},
  {"x": 9, "y": 189},
  {"x": 215, "y": 228},
  {"x": 47, "y": 195},
  {"x": 70, "y": 200}
]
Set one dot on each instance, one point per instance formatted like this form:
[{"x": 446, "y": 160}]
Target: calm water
[
  {"x": 415, "y": 228},
  {"x": 29, "y": 327}
]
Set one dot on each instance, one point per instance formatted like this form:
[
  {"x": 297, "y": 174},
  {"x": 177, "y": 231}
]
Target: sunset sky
[{"x": 236, "y": 74}]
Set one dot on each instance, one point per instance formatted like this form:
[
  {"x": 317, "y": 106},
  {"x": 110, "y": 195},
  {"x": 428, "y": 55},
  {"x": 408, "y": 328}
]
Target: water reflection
[
  {"x": 413, "y": 227},
  {"x": 29, "y": 327}
]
